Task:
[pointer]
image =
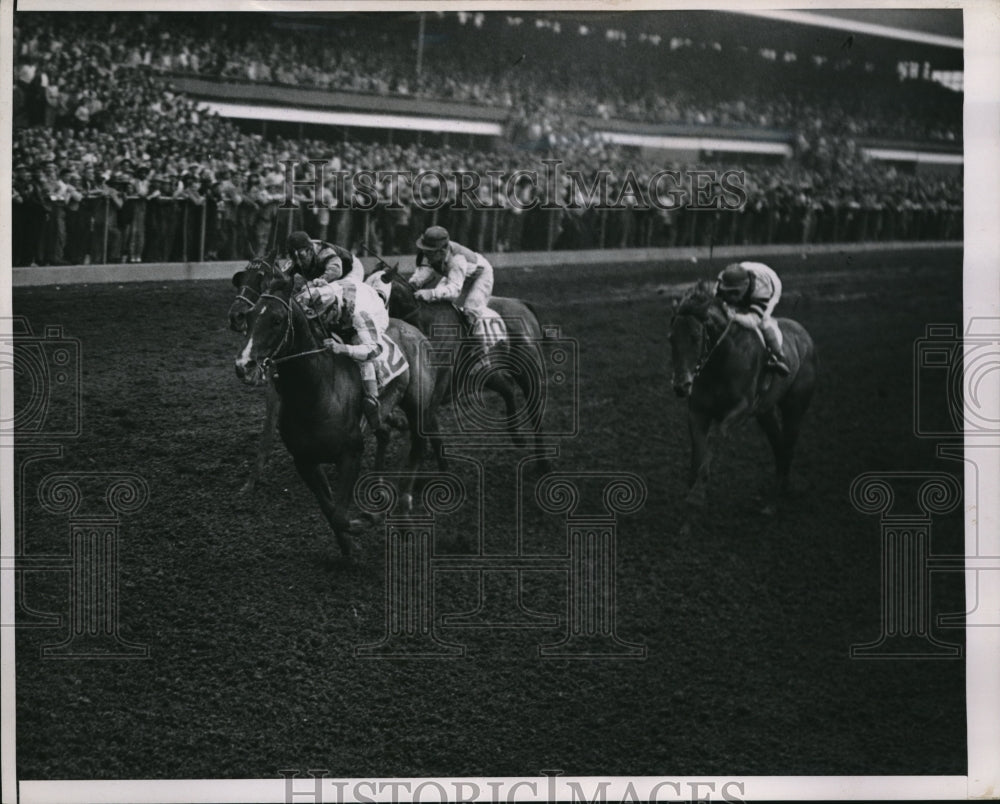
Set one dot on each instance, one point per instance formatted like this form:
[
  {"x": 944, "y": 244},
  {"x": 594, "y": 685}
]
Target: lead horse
[
  {"x": 249, "y": 283},
  {"x": 720, "y": 367},
  {"x": 514, "y": 363},
  {"x": 320, "y": 411}
]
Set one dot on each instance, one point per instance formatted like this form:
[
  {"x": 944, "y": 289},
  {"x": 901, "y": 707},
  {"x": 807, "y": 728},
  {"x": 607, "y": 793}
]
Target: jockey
[
  {"x": 320, "y": 263},
  {"x": 468, "y": 276},
  {"x": 751, "y": 291},
  {"x": 355, "y": 311}
]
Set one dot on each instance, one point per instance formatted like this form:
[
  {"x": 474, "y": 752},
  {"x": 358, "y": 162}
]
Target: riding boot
[
  {"x": 776, "y": 358},
  {"x": 370, "y": 405}
]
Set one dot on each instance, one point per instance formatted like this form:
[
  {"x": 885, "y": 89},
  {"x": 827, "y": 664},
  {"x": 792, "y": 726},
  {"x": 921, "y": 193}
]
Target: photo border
[{"x": 980, "y": 268}]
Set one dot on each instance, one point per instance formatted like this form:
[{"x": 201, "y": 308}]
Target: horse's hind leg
[
  {"x": 535, "y": 395},
  {"x": 773, "y": 429},
  {"x": 793, "y": 409},
  {"x": 501, "y": 384},
  {"x": 316, "y": 480}
]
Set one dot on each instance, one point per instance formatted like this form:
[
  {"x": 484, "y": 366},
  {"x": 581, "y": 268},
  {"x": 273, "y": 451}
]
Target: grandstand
[{"x": 162, "y": 136}]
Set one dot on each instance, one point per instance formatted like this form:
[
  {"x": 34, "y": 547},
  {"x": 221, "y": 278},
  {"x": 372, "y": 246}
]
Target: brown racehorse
[
  {"x": 320, "y": 412},
  {"x": 516, "y": 362},
  {"x": 720, "y": 368},
  {"x": 249, "y": 283}
]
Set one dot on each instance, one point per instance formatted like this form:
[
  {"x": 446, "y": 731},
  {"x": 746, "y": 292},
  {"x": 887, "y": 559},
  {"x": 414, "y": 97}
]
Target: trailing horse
[
  {"x": 514, "y": 362},
  {"x": 321, "y": 397},
  {"x": 720, "y": 367}
]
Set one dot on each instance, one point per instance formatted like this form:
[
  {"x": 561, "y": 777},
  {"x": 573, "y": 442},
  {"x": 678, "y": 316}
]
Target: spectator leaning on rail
[
  {"x": 467, "y": 276},
  {"x": 319, "y": 262},
  {"x": 751, "y": 291},
  {"x": 353, "y": 310}
]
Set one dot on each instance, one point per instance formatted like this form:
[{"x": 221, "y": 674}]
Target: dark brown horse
[
  {"x": 514, "y": 363},
  {"x": 719, "y": 366},
  {"x": 249, "y": 283},
  {"x": 320, "y": 397}
]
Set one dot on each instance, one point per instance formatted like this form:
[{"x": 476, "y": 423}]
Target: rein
[
  {"x": 271, "y": 360},
  {"x": 706, "y": 357}
]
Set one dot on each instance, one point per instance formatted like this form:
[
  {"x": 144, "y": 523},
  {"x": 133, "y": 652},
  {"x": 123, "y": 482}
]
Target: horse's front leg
[
  {"x": 699, "y": 427},
  {"x": 315, "y": 479},
  {"x": 266, "y": 439}
]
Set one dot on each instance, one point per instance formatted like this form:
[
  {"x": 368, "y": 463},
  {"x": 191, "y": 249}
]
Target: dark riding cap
[
  {"x": 297, "y": 240},
  {"x": 434, "y": 238},
  {"x": 734, "y": 277}
]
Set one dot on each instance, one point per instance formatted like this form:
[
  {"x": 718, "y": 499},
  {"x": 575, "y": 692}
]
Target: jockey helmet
[
  {"x": 734, "y": 278},
  {"x": 296, "y": 241},
  {"x": 436, "y": 237}
]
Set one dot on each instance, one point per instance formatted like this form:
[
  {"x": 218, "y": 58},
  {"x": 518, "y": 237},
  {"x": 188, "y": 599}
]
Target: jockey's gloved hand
[
  {"x": 335, "y": 346},
  {"x": 425, "y": 295}
]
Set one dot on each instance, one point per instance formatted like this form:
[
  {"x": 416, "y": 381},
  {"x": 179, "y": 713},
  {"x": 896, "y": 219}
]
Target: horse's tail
[{"x": 546, "y": 332}]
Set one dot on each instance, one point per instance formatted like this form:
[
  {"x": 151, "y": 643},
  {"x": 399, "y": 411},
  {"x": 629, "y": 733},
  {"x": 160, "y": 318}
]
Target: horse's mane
[
  {"x": 279, "y": 284},
  {"x": 701, "y": 302}
]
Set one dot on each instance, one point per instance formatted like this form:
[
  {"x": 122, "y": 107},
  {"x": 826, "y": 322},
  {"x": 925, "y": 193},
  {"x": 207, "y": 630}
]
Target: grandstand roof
[{"x": 880, "y": 36}]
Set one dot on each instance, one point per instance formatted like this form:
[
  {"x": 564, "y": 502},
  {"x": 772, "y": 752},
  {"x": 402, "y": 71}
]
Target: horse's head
[
  {"x": 402, "y": 303},
  {"x": 249, "y": 283},
  {"x": 698, "y": 322},
  {"x": 270, "y": 330}
]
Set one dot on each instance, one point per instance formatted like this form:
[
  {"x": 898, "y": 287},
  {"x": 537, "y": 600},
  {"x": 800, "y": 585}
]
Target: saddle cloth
[
  {"x": 390, "y": 363},
  {"x": 489, "y": 328}
]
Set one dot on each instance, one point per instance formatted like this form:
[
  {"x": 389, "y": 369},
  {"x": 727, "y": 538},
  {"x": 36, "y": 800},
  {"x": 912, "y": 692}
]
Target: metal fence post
[
  {"x": 201, "y": 244},
  {"x": 184, "y": 232},
  {"x": 107, "y": 213}
]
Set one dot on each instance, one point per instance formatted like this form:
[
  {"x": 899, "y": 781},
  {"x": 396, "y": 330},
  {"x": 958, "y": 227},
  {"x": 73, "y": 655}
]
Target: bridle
[
  {"x": 706, "y": 350},
  {"x": 257, "y": 267},
  {"x": 275, "y": 358},
  {"x": 241, "y": 297}
]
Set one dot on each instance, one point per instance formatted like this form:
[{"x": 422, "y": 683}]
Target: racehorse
[
  {"x": 719, "y": 366},
  {"x": 321, "y": 397},
  {"x": 518, "y": 358},
  {"x": 250, "y": 283}
]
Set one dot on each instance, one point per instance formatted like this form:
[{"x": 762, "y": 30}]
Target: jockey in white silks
[
  {"x": 751, "y": 291},
  {"x": 467, "y": 277},
  {"x": 347, "y": 306}
]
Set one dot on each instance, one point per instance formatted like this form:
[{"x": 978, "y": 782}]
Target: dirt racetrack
[{"x": 747, "y": 622}]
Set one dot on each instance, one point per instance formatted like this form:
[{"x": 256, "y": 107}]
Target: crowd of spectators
[
  {"x": 677, "y": 82},
  {"x": 111, "y": 163}
]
